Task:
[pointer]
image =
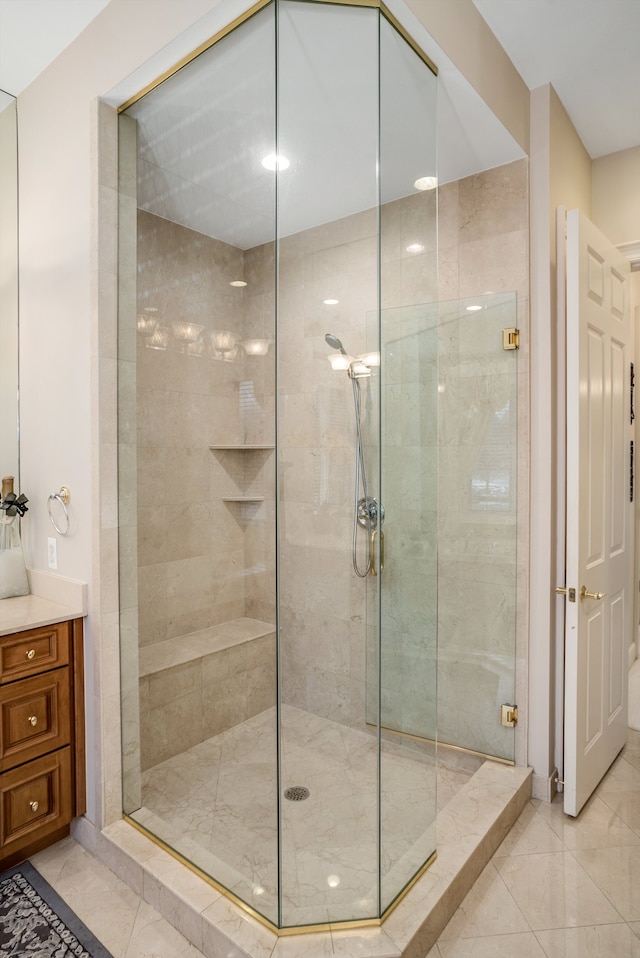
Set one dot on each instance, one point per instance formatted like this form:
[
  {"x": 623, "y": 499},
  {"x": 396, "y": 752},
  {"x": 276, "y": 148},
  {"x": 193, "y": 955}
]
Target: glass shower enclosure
[{"x": 278, "y": 458}]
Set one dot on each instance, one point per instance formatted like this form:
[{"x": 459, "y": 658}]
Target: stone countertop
[{"x": 52, "y": 599}]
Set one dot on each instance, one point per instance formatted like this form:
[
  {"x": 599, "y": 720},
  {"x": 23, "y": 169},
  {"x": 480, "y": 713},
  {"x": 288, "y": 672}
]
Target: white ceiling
[
  {"x": 589, "y": 50},
  {"x": 34, "y": 32},
  {"x": 202, "y": 134}
]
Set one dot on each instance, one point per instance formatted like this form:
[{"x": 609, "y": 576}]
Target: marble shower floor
[{"x": 217, "y": 805}]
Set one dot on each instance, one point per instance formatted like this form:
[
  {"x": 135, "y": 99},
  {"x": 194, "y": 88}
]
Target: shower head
[{"x": 335, "y": 343}]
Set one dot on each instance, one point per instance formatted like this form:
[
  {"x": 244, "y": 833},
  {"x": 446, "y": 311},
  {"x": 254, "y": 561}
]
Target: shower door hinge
[
  {"x": 511, "y": 338},
  {"x": 509, "y": 715}
]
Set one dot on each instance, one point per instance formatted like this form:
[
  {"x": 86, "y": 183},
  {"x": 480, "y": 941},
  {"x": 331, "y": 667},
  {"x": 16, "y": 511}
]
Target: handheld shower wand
[
  {"x": 335, "y": 343},
  {"x": 361, "y": 507}
]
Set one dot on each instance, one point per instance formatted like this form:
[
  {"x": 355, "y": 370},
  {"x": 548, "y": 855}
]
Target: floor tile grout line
[{"x": 600, "y": 889}]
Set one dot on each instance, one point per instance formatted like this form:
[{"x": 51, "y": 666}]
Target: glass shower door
[
  {"x": 196, "y": 456},
  {"x": 407, "y": 613},
  {"x": 477, "y": 513},
  {"x": 327, "y": 265},
  {"x": 446, "y": 370}
]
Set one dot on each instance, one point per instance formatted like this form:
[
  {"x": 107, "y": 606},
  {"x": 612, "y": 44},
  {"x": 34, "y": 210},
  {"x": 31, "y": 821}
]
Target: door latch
[{"x": 570, "y": 593}]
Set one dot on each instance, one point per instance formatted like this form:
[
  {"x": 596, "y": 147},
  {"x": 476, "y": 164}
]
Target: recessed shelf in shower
[{"x": 246, "y": 472}]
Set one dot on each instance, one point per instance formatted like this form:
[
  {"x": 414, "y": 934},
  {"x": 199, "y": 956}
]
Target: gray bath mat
[{"x": 35, "y": 921}]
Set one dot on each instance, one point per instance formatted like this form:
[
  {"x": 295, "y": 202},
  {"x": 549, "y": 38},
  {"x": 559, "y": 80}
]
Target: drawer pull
[
  {"x": 33, "y": 720},
  {"x": 34, "y": 806},
  {"x": 31, "y": 653}
]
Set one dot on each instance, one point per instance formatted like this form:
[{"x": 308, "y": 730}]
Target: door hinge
[
  {"x": 509, "y": 715},
  {"x": 511, "y": 338}
]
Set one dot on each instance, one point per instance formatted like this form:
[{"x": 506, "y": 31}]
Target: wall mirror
[{"x": 9, "y": 424}]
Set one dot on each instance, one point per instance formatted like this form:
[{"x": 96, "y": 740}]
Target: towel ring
[{"x": 63, "y": 498}]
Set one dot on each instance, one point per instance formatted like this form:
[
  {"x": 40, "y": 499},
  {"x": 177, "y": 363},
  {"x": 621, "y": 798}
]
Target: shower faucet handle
[{"x": 372, "y": 552}]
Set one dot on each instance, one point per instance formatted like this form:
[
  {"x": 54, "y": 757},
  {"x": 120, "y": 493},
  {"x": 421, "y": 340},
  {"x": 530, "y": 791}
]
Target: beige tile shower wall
[
  {"x": 259, "y": 418},
  {"x": 483, "y": 234},
  {"x": 409, "y": 462},
  {"x": 483, "y": 247},
  {"x": 322, "y": 601},
  {"x": 190, "y": 543}
]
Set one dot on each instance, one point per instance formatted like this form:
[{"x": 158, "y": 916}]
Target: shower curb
[{"x": 470, "y": 829}]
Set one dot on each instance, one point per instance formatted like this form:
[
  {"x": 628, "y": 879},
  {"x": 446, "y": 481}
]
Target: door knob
[{"x": 591, "y": 595}]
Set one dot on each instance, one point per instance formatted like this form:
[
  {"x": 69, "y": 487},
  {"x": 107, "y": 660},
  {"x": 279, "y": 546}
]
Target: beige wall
[
  {"x": 569, "y": 166},
  {"x": 459, "y": 29},
  {"x": 616, "y": 195}
]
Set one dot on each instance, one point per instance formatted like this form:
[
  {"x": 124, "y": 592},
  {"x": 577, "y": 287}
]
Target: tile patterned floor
[
  {"x": 556, "y": 887},
  {"x": 560, "y": 887},
  {"x": 125, "y": 924}
]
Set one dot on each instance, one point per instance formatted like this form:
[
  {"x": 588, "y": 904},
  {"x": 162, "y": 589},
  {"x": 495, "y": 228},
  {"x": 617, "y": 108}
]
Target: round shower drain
[{"x": 297, "y": 793}]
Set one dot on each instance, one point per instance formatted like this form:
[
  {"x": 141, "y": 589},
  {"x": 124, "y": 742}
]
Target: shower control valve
[{"x": 369, "y": 509}]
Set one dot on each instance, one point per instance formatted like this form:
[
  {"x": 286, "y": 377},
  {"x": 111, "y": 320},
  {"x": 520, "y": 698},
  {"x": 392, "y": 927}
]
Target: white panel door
[{"x": 598, "y": 623}]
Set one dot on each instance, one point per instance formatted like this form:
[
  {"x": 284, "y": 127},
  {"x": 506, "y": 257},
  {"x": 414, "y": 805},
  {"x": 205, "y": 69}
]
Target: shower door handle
[{"x": 372, "y": 551}]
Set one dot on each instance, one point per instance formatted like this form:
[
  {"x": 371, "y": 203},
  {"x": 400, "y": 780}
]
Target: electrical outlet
[{"x": 52, "y": 553}]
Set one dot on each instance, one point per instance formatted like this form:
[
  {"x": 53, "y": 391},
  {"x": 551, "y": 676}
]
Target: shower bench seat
[{"x": 197, "y": 685}]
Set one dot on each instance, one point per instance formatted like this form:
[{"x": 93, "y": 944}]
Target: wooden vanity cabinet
[{"x": 42, "y": 744}]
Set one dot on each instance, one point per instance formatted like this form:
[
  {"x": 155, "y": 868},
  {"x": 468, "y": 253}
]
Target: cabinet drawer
[
  {"x": 35, "y": 651},
  {"x": 34, "y": 717},
  {"x": 35, "y": 800}
]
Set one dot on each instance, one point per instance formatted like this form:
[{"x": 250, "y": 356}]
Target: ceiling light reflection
[
  {"x": 159, "y": 339},
  {"x": 186, "y": 332},
  {"x": 257, "y": 347},
  {"x": 371, "y": 359},
  {"x": 426, "y": 183},
  {"x": 275, "y": 161},
  {"x": 340, "y": 361},
  {"x": 223, "y": 340},
  {"x": 146, "y": 324}
]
